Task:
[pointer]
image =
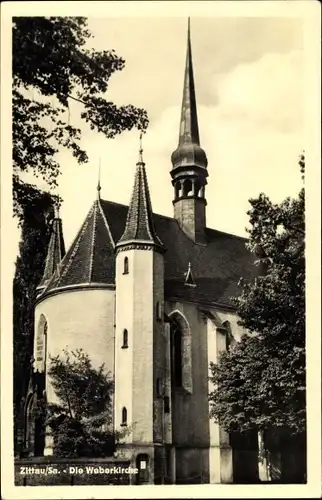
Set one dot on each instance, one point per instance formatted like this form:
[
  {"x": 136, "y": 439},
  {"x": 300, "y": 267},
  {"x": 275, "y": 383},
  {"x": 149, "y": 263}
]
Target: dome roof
[{"x": 189, "y": 155}]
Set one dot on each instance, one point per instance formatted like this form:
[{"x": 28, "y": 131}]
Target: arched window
[
  {"x": 177, "y": 355},
  {"x": 41, "y": 344},
  {"x": 181, "y": 359},
  {"x": 124, "y": 416},
  {"x": 126, "y": 266},
  {"x": 125, "y": 339}
]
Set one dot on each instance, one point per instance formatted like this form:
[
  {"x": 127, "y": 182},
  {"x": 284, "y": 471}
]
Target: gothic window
[
  {"x": 41, "y": 344},
  {"x": 166, "y": 402},
  {"x": 181, "y": 360},
  {"x": 177, "y": 355},
  {"x": 126, "y": 266},
  {"x": 125, "y": 339},
  {"x": 124, "y": 416}
]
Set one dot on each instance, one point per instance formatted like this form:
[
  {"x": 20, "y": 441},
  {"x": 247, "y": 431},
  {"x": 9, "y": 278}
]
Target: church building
[{"x": 149, "y": 296}]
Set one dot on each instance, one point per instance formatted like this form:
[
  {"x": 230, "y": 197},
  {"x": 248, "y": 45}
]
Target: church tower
[
  {"x": 139, "y": 334},
  {"x": 189, "y": 163}
]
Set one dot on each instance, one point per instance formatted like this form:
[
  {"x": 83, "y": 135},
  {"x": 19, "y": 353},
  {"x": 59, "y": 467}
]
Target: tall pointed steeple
[
  {"x": 189, "y": 162},
  {"x": 139, "y": 227},
  {"x": 189, "y": 150},
  {"x": 189, "y": 131},
  {"x": 55, "y": 252}
]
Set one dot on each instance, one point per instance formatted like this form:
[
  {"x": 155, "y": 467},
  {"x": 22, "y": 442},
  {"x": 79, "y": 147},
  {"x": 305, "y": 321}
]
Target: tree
[
  {"x": 81, "y": 420},
  {"x": 260, "y": 382},
  {"x": 52, "y": 65},
  {"x": 35, "y": 234}
]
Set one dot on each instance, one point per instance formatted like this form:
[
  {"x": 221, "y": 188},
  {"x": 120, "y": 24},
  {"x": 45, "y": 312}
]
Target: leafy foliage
[
  {"x": 260, "y": 381},
  {"x": 81, "y": 420},
  {"x": 35, "y": 234},
  {"x": 51, "y": 64}
]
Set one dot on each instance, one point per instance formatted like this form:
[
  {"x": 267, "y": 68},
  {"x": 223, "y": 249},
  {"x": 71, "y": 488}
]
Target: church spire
[
  {"x": 189, "y": 151},
  {"x": 139, "y": 227},
  {"x": 189, "y": 162},
  {"x": 55, "y": 252},
  {"x": 189, "y": 131}
]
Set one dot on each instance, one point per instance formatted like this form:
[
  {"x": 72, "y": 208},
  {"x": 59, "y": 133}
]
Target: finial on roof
[
  {"x": 141, "y": 149},
  {"x": 99, "y": 180},
  {"x": 189, "y": 278},
  {"x": 55, "y": 252},
  {"x": 139, "y": 226}
]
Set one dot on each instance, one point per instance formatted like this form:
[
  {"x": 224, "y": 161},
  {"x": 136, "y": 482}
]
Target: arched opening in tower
[{"x": 187, "y": 188}]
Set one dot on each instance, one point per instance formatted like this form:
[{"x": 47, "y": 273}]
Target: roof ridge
[
  {"x": 55, "y": 252},
  {"x": 106, "y": 223},
  {"x": 145, "y": 186},
  {"x": 139, "y": 221},
  {"x": 77, "y": 241},
  {"x": 93, "y": 243},
  {"x": 174, "y": 220}
]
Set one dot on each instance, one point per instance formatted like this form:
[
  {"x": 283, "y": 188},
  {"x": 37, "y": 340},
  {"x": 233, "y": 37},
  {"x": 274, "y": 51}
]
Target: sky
[{"x": 250, "y": 97}]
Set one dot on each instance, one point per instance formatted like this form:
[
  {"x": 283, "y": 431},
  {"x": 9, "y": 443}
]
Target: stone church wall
[{"x": 79, "y": 319}]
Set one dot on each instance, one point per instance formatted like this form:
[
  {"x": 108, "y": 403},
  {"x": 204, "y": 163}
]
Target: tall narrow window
[
  {"x": 125, "y": 339},
  {"x": 126, "y": 266},
  {"x": 181, "y": 355},
  {"x": 124, "y": 416},
  {"x": 177, "y": 354}
]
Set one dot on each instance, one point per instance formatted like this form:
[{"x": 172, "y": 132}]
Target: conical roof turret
[
  {"x": 139, "y": 227},
  {"x": 55, "y": 252}
]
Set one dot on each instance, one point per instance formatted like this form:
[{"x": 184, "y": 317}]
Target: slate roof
[
  {"x": 55, "y": 253},
  {"x": 90, "y": 259},
  {"x": 216, "y": 267},
  {"x": 139, "y": 224}
]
